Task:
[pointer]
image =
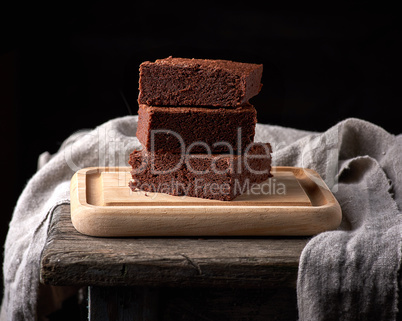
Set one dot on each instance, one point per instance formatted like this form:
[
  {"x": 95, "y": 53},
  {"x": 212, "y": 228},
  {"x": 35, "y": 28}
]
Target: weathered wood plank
[{"x": 70, "y": 258}]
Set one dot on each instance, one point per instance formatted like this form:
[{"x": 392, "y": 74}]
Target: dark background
[{"x": 65, "y": 66}]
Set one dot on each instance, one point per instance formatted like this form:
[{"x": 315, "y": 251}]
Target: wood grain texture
[
  {"x": 71, "y": 258},
  {"x": 298, "y": 203}
]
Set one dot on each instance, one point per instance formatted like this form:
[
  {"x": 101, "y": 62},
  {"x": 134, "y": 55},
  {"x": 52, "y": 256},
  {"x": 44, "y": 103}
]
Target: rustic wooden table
[{"x": 186, "y": 278}]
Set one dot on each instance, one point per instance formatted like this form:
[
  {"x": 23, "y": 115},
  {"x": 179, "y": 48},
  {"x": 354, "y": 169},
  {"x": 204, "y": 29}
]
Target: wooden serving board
[{"x": 295, "y": 201}]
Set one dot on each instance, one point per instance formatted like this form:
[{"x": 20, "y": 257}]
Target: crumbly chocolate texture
[
  {"x": 220, "y": 177},
  {"x": 198, "y": 82},
  {"x": 196, "y": 129}
]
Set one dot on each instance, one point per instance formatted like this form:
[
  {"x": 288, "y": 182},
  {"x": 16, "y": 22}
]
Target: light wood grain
[
  {"x": 103, "y": 205},
  {"x": 110, "y": 188}
]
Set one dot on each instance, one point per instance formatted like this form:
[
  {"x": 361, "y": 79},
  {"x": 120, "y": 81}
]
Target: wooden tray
[{"x": 295, "y": 201}]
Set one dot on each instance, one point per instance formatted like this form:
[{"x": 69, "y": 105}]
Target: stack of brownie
[{"x": 197, "y": 129}]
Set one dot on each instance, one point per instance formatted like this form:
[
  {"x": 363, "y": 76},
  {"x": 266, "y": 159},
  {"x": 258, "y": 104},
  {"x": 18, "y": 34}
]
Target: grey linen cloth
[{"x": 347, "y": 274}]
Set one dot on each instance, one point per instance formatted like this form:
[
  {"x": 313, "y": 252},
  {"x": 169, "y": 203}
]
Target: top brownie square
[{"x": 198, "y": 82}]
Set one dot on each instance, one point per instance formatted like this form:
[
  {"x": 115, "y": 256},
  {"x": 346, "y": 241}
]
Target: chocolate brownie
[
  {"x": 219, "y": 176},
  {"x": 195, "y": 129},
  {"x": 198, "y": 82}
]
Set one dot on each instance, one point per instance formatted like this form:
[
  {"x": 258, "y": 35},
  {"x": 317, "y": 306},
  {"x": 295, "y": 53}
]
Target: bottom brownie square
[{"x": 211, "y": 176}]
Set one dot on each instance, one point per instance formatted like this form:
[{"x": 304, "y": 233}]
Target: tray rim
[{"x": 320, "y": 217}]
